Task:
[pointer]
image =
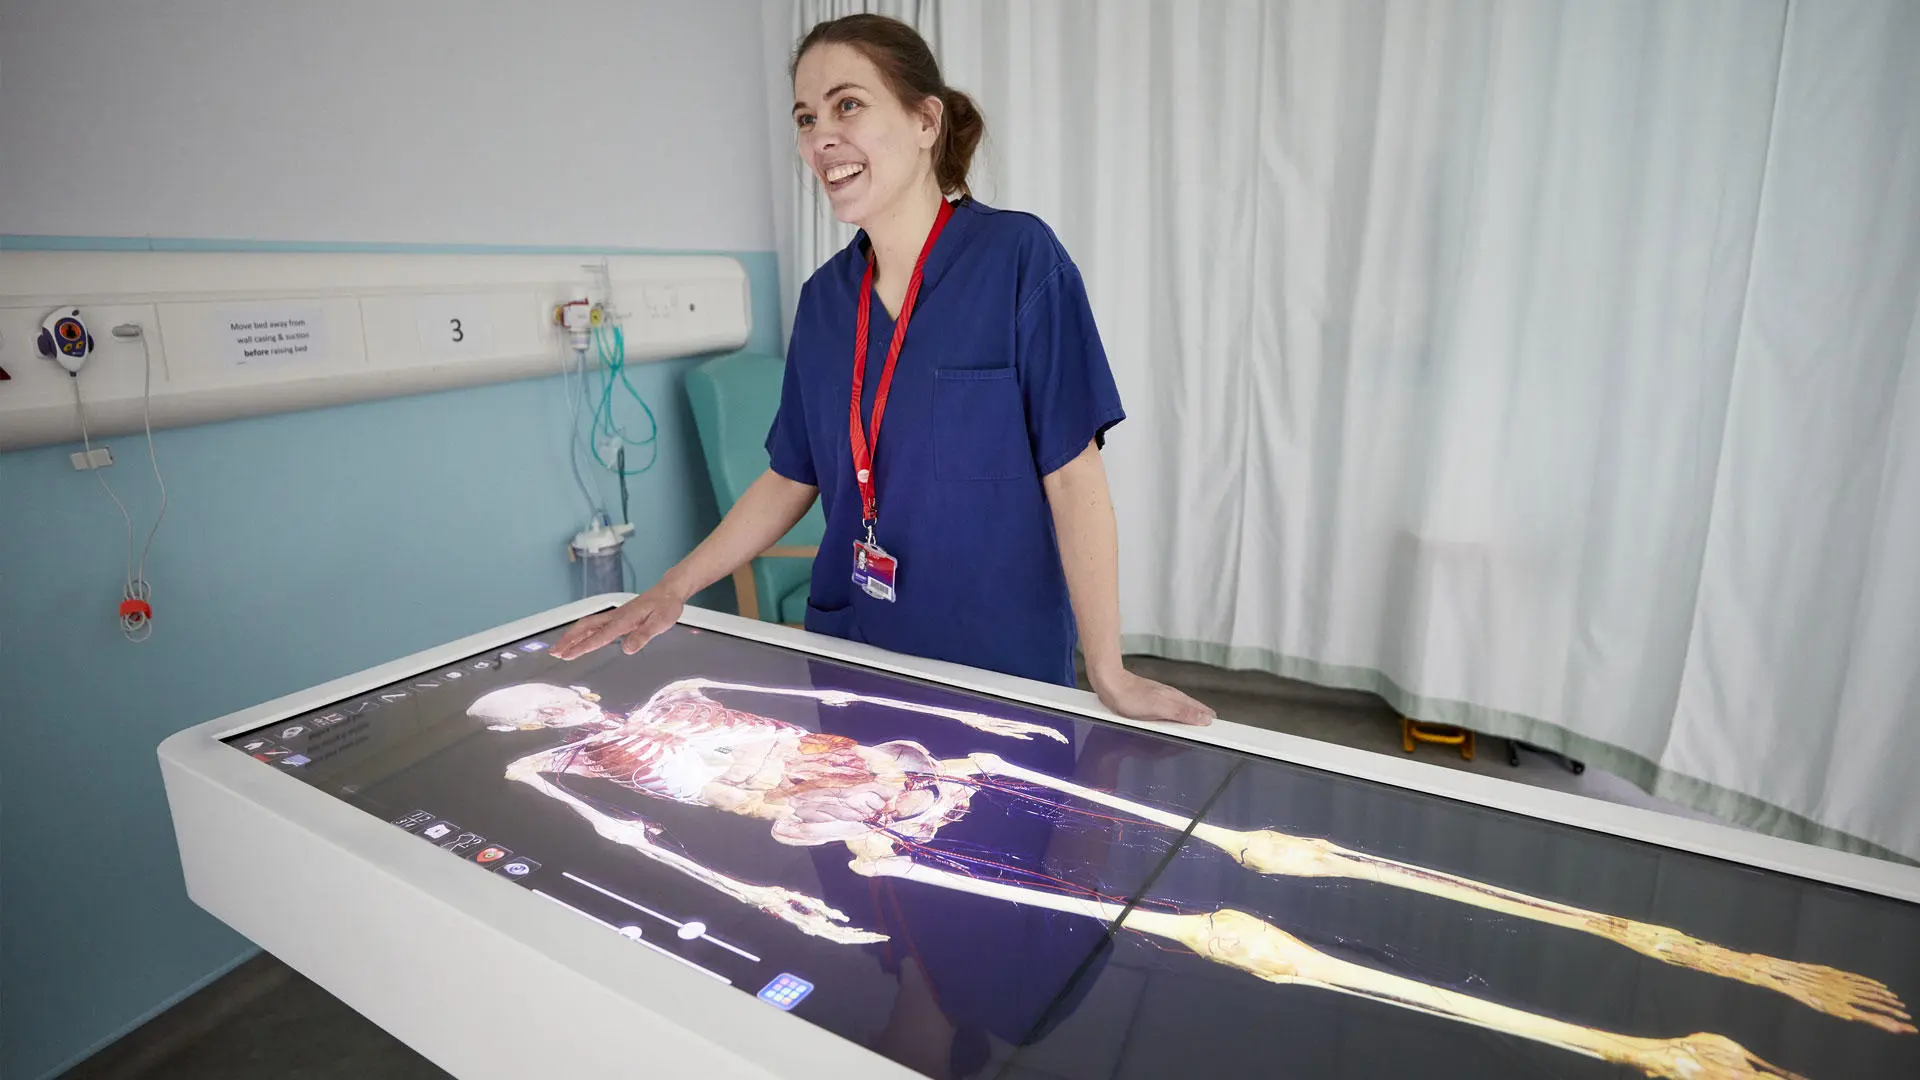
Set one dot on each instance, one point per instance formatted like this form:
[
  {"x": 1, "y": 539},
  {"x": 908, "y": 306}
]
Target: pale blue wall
[{"x": 296, "y": 548}]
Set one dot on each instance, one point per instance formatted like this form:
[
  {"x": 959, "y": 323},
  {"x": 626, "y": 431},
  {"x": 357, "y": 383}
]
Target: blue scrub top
[{"x": 1001, "y": 381}]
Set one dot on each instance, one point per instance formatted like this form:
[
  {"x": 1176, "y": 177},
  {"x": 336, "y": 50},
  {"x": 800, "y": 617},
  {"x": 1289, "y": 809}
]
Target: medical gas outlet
[{"x": 579, "y": 318}]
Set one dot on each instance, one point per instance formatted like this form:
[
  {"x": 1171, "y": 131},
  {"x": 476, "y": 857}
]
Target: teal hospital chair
[{"x": 734, "y": 399}]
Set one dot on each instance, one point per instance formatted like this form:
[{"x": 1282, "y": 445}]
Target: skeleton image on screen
[{"x": 887, "y": 802}]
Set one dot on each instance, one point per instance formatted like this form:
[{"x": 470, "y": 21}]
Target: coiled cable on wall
[
  {"x": 573, "y": 365},
  {"x": 136, "y": 604}
]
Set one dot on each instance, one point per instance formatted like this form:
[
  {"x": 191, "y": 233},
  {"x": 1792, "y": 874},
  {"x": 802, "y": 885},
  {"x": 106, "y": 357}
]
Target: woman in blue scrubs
[
  {"x": 968, "y": 517},
  {"x": 946, "y": 395}
]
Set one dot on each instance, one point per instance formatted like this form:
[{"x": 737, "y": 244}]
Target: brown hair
[{"x": 912, "y": 74}]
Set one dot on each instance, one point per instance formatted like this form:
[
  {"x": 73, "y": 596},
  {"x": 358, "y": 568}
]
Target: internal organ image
[{"x": 887, "y": 802}]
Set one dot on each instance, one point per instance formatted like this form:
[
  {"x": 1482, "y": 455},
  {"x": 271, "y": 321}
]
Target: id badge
[{"x": 874, "y": 570}]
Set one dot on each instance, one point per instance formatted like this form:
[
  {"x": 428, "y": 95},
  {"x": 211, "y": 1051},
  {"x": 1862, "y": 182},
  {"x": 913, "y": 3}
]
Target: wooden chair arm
[{"x": 744, "y": 592}]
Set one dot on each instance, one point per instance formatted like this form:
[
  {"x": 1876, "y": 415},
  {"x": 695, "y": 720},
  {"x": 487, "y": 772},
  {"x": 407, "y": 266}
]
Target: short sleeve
[
  {"x": 1071, "y": 397},
  {"x": 789, "y": 452}
]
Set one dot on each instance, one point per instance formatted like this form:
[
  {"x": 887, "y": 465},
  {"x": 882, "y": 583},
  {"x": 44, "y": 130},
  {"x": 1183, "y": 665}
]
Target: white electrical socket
[{"x": 98, "y": 458}]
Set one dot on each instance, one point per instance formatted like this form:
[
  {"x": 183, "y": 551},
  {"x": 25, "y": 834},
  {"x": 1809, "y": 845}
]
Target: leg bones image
[{"x": 886, "y": 803}]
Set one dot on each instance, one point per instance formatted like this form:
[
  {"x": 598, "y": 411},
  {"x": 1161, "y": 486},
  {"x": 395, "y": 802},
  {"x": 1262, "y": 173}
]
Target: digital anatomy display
[{"x": 974, "y": 887}]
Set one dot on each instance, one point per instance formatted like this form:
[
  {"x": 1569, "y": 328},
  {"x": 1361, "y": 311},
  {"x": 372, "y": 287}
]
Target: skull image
[{"x": 530, "y": 706}]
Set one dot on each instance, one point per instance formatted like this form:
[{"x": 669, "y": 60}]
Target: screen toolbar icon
[
  {"x": 413, "y": 821},
  {"x": 464, "y": 843},
  {"x": 785, "y": 991}
]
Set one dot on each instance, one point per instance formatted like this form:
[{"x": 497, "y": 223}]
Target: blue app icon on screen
[{"x": 786, "y": 991}]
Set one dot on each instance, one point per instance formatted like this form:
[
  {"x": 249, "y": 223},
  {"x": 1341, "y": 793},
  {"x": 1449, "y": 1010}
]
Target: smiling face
[{"x": 864, "y": 145}]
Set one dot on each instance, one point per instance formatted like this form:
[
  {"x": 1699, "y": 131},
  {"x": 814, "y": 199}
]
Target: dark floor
[
  {"x": 264, "y": 1020},
  {"x": 260, "y": 1020}
]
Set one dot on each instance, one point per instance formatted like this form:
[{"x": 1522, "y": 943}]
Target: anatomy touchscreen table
[{"x": 747, "y": 851}]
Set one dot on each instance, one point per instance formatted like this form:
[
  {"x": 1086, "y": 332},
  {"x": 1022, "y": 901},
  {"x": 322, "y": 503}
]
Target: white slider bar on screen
[
  {"x": 670, "y": 922},
  {"x": 641, "y": 940}
]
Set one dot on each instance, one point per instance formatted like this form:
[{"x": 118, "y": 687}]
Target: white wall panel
[{"x": 235, "y": 335}]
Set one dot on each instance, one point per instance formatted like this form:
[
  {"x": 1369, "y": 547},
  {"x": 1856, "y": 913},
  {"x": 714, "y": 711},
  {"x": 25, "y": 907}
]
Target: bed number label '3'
[{"x": 455, "y": 326}]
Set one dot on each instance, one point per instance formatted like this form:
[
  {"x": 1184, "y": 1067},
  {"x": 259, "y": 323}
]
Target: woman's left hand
[{"x": 1137, "y": 698}]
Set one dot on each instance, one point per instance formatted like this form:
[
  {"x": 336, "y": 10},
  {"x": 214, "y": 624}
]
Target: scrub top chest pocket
[{"x": 980, "y": 425}]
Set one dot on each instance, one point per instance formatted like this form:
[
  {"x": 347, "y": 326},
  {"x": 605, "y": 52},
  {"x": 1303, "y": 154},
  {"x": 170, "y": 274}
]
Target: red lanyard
[{"x": 863, "y": 450}]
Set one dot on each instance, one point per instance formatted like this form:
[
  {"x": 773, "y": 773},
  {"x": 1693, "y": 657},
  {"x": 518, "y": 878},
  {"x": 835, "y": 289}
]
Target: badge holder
[{"x": 873, "y": 569}]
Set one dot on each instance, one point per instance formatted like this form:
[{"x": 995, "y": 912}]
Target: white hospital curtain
[
  {"x": 806, "y": 232},
  {"x": 1546, "y": 367},
  {"x": 1805, "y": 641}
]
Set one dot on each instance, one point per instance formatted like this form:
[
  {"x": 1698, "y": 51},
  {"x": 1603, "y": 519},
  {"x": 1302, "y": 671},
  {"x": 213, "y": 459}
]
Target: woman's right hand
[
  {"x": 637, "y": 621},
  {"x": 772, "y": 506}
]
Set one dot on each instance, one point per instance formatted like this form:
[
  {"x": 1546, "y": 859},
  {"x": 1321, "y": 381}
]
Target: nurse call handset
[{"x": 64, "y": 339}]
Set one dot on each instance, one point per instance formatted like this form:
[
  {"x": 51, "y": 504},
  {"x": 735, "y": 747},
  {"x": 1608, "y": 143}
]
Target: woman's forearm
[
  {"x": 771, "y": 507},
  {"x": 1083, "y": 520}
]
